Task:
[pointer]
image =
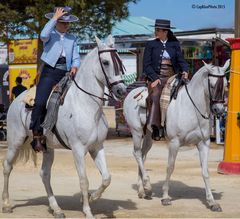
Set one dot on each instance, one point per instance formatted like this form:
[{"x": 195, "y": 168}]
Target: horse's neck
[
  {"x": 198, "y": 89},
  {"x": 86, "y": 79}
]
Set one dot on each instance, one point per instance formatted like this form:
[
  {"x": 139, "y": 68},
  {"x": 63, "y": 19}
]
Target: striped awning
[
  {"x": 129, "y": 78},
  {"x": 85, "y": 51}
]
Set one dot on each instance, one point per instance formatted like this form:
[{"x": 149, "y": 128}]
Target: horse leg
[
  {"x": 172, "y": 154},
  {"x": 7, "y": 168},
  {"x": 146, "y": 146},
  {"x": 99, "y": 158},
  {"x": 45, "y": 174},
  {"x": 143, "y": 178},
  {"x": 79, "y": 158},
  {"x": 203, "y": 149}
]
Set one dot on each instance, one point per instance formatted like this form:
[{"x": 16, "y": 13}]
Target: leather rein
[{"x": 118, "y": 66}]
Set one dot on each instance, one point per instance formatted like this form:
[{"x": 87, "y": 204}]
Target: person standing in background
[{"x": 18, "y": 89}]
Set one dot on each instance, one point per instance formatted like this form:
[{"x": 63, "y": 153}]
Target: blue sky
[{"x": 188, "y": 14}]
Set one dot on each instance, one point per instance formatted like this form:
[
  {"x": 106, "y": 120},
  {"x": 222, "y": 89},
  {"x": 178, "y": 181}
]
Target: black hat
[
  {"x": 66, "y": 17},
  {"x": 163, "y": 24}
]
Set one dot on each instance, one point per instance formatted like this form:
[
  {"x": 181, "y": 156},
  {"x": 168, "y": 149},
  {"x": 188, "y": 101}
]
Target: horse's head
[
  {"x": 217, "y": 83},
  {"x": 111, "y": 68}
]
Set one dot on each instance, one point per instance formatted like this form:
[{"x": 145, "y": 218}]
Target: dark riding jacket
[{"x": 153, "y": 57}]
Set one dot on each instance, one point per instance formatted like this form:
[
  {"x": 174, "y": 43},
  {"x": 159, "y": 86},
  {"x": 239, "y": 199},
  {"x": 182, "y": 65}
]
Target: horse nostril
[{"x": 119, "y": 91}]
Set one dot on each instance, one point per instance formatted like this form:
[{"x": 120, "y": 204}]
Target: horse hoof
[
  {"x": 148, "y": 197},
  {"x": 216, "y": 207},
  {"x": 148, "y": 194},
  {"x": 141, "y": 194},
  {"x": 59, "y": 215},
  {"x": 92, "y": 198},
  {"x": 6, "y": 210},
  {"x": 166, "y": 201}
]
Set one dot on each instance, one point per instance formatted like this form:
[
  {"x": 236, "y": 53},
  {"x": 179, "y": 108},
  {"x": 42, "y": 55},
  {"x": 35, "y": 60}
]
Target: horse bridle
[
  {"x": 117, "y": 63},
  {"x": 217, "y": 89},
  {"x": 118, "y": 66}
]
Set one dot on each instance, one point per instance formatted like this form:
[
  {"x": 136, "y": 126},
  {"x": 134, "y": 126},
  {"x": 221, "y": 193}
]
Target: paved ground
[{"x": 120, "y": 199}]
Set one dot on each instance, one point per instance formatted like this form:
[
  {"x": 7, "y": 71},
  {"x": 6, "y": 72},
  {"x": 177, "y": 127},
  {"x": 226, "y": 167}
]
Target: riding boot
[
  {"x": 155, "y": 133},
  {"x": 39, "y": 142}
]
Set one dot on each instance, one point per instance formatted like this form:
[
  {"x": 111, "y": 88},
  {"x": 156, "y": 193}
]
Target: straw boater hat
[
  {"x": 66, "y": 17},
  {"x": 163, "y": 24}
]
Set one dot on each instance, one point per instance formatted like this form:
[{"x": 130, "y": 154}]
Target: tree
[{"x": 96, "y": 17}]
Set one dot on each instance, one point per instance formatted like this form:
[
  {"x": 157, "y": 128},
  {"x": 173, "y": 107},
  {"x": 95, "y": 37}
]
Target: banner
[
  {"x": 26, "y": 72},
  {"x": 22, "y": 51},
  {"x": 3, "y": 56}
]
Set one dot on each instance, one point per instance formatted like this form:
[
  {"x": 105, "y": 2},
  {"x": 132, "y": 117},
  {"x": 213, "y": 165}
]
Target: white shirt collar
[
  {"x": 164, "y": 42},
  {"x": 61, "y": 34}
]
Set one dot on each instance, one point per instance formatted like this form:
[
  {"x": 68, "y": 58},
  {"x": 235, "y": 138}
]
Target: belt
[
  {"x": 61, "y": 60},
  {"x": 61, "y": 66},
  {"x": 166, "y": 62}
]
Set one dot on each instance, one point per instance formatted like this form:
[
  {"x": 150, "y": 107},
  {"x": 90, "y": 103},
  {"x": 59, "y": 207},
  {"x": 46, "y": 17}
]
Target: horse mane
[
  {"x": 200, "y": 72},
  {"x": 89, "y": 55}
]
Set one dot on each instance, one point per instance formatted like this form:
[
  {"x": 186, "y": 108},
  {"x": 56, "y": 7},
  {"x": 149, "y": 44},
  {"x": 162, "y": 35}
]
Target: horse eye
[{"x": 105, "y": 62}]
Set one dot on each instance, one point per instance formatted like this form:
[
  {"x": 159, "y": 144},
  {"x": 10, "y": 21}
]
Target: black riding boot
[{"x": 155, "y": 133}]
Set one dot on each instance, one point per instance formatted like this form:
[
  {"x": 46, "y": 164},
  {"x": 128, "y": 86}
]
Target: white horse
[
  {"x": 81, "y": 125},
  {"x": 185, "y": 124}
]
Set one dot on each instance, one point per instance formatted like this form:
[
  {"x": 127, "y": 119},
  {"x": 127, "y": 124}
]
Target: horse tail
[{"x": 26, "y": 153}]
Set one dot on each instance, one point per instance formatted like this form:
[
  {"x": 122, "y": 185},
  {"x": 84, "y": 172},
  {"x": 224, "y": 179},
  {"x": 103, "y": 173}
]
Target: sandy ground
[{"x": 120, "y": 200}]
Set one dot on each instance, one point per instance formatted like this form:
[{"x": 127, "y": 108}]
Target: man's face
[{"x": 62, "y": 27}]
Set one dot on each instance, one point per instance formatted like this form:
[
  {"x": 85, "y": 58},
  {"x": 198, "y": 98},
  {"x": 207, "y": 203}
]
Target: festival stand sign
[
  {"x": 26, "y": 72},
  {"x": 22, "y": 51},
  {"x": 22, "y": 59}
]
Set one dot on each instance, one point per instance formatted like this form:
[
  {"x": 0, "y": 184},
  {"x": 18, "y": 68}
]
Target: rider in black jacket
[{"x": 162, "y": 59}]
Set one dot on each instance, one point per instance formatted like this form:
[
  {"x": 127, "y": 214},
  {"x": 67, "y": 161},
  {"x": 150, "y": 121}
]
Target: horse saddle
[
  {"x": 29, "y": 98},
  {"x": 55, "y": 99},
  {"x": 169, "y": 92}
]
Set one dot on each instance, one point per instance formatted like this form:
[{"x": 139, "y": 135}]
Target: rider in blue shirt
[{"x": 60, "y": 55}]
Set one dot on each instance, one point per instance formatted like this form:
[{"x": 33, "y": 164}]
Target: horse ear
[
  {"x": 208, "y": 66},
  {"x": 226, "y": 65},
  {"x": 99, "y": 42},
  {"x": 110, "y": 41}
]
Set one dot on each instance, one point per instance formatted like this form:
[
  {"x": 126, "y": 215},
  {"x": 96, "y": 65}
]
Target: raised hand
[{"x": 59, "y": 13}]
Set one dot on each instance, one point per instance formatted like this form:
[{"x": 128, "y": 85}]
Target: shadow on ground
[
  {"x": 179, "y": 190},
  {"x": 103, "y": 206}
]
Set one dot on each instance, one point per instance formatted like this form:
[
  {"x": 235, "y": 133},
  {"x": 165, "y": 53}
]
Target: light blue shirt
[{"x": 54, "y": 46}]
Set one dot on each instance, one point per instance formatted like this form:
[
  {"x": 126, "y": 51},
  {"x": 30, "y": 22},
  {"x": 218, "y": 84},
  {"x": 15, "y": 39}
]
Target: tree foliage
[{"x": 27, "y": 17}]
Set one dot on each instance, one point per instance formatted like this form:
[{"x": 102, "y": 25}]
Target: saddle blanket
[{"x": 29, "y": 97}]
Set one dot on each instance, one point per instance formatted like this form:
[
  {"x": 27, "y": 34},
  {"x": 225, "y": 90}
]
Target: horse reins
[
  {"x": 118, "y": 66},
  {"x": 218, "y": 86},
  {"x": 86, "y": 92},
  {"x": 205, "y": 117}
]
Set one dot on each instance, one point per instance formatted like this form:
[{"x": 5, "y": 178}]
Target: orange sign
[
  {"x": 26, "y": 72},
  {"x": 22, "y": 51}
]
